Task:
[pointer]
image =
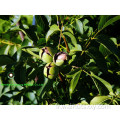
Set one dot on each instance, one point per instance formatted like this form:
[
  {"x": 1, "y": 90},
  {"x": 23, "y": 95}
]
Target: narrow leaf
[
  {"x": 102, "y": 21},
  {"x": 104, "y": 50},
  {"x": 74, "y": 81},
  {"x": 107, "y": 85},
  {"x": 105, "y": 21},
  {"x": 109, "y": 44},
  {"x": 99, "y": 100},
  {"x": 46, "y": 86}
]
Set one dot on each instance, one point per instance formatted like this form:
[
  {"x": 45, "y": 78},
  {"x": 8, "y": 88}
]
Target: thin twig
[
  {"x": 59, "y": 42},
  {"x": 36, "y": 79},
  {"x": 89, "y": 41},
  {"x": 65, "y": 43},
  {"x": 62, "y": 80},
  {"x": 61, "y": 35},
  {"x": 75, "y": 67},
  {"x": 20, "y": 32}
]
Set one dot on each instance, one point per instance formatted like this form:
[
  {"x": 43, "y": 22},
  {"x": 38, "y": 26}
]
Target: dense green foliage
[{"x": 91, "y": 74}]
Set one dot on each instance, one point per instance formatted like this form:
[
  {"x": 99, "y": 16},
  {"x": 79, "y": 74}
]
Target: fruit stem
[{"x": 62, "y": 80}]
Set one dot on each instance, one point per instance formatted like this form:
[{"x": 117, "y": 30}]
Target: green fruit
[
  {"x": 60, "y": 58},
  {"x": 46, "y": 54},
  {"x": 51, "y": 70}
]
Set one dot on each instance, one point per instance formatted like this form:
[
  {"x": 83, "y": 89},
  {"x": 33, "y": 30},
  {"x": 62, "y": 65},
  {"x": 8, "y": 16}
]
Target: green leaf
[
  {"x": 104, "y": 50},
  {"x": 92, "y": 67},
  {"x": 109, "y": 44},
  {"x": 102, "y": 21},
  {"x": 105, "y": 21},
  {"x": 18, "y": 54},
  {"x": 40, "y": 21},
  {"x": 27, "y": 19},
  {"x": 73, "y": 39},
  {"x": 27, "y": 42},
  {"x": 34, "y": 49},
  {"x": 71, "y": 73},
  {"x": 85, "y": 22},
  {"x": 87, "y": 27},
  {"x": 66, "y": 28},
  {"x": 41, "y": 41},
  {"x": 32, "y": 53},
  {"x": 99, "y": 100},
  {"x": 53, "y": 29},
  {"x": 12, "y": 83},
  {"x": 90, "y": 31},
  {"x": 15, "y": 19},
  {"x": 4, "y": 49},
  {"x": 107, "y": 85},
  {"x": 5, "y": 60},
  {"x": 16, "y": 28},
  {"x": 78, "y": 26},
  {"x": 30, "y": 95},
  {"x": 72, "y": 59},
  {"x": 74, "y": 81},
  {"x": 46, "y": 86},
  {"x": 75, "y": 49},
  {"x": 21, "y": 100},
  {"x": 98, "y": 57},
  {"x": 49, "y": 18},
  {"x": 1, "y": 86},
  {"x": 12, "y": 50},
  {"x": 114, "y": 40},
  {"x": 78, "y": 47},
  {"x": 4, "y": 26}
]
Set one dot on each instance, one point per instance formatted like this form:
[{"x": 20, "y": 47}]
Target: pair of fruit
[{"x": 53, "y": 60}]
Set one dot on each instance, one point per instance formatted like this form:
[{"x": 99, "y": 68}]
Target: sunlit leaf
[
  {"x": 99, "y": 100},
  {"x": 79, "y": 26},
  {"x": 74, "y": 81},
  {"x": 4, "y": 26},
  {"x": 4, "y": 49},
  {"x": 12, "y": 50}
]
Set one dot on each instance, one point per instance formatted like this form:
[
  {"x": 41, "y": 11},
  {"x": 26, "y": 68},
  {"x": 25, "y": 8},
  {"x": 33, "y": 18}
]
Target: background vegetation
[{"x": 91, "y": 75}]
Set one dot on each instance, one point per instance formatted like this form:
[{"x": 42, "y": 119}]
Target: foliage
[{"x": 91, "y": 75}]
